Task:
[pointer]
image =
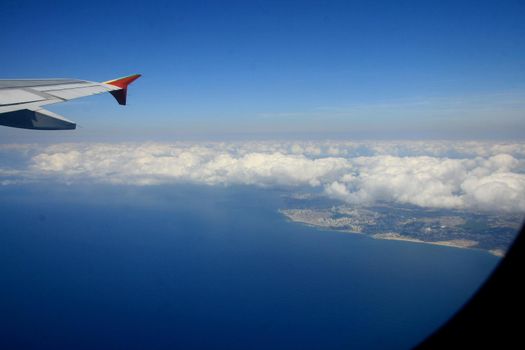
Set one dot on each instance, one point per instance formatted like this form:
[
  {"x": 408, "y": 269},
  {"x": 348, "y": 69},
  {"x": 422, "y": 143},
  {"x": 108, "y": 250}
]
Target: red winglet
[{"x": 122, "y": 83}]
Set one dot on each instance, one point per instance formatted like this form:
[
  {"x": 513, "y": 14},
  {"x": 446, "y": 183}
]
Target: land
[{"x": 493, "y": 232}]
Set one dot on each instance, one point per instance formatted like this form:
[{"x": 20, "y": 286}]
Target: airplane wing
[{"x": 21, "y": 101}]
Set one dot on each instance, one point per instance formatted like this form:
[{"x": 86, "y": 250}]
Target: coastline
[
  {"x": 323, "y": 221},
  {"x": 455, "y": 243},
  {"x": 392, "y": 236}
]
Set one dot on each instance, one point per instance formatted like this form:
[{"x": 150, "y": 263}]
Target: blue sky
[{"x": 278, "y": 69}]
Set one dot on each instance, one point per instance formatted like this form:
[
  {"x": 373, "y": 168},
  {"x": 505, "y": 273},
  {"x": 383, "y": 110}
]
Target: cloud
[
  {"x": 485, "y": 184},
  {"x": 160, "y": 163},
  {"x": 460, "y": 175}
]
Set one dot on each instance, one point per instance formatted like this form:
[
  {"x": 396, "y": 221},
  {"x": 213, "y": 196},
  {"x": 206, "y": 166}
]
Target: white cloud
[
  {"x": 463, "y": 175},
  {"x": 488, "y": 184}
]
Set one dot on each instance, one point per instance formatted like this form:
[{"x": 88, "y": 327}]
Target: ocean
[{"x": 90, "y": 266}]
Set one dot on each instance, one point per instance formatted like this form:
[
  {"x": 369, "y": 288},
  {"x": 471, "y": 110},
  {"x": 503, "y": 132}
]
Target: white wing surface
[{"x": 21, "y": 101}]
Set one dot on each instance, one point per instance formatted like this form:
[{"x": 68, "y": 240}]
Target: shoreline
[
  {"x": 391, "y": 236},
  {"x": 457, "y": 243}
]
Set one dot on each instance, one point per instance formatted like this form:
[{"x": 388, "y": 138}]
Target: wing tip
[{"x": 124, "y": 81}]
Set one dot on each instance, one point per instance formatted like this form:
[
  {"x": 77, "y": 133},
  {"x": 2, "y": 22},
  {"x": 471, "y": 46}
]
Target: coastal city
[{"x": 462, "y": 229}]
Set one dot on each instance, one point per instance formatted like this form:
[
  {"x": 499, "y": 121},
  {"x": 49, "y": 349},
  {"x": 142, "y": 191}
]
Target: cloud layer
[{"x": 461, "y": 175}]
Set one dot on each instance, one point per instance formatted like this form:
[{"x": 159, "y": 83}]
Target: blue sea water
[{"x": 189, "y": 267}]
